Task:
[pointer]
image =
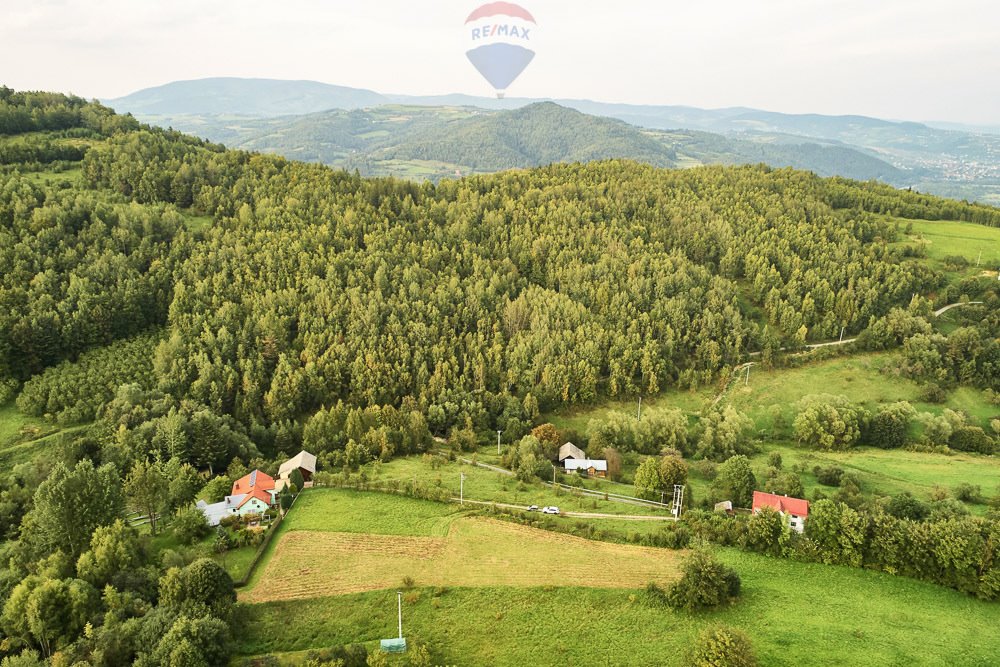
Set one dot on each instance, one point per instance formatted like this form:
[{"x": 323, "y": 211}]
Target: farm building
[
  {"x": 254, "y": 502},
  {"x": 571, "y": 451},
  {"x": 795, "y": 510},
  {"x": 591, "y": 467},
  {"x": 304, "y": 461}
]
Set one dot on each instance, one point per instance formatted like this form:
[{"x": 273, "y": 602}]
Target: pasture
[
  {"x": 521, "y": 586},
  {"x": 963, "y": 239}
]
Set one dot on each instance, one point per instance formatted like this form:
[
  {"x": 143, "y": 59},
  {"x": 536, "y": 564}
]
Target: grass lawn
[
  {"x": 23, "y": 438},
  {"x": 16, "y": 427},
  {"x": 487, "y": 485},
  {"x": 965, "y": 239},
  {"x": 235, "y": 561},
  {"x": 891, "y": 472},
  {"x": 486, "y": 603},
  {"x": 862, "y": 378},
  {"x": 578, "y": 417},
  {"x": 796, "y": 614},
  {"x": 345, "y": 511}
]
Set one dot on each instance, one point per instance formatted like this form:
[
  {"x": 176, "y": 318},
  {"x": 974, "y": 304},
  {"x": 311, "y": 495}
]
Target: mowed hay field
[
  {"x": 477, "y": 551},
  {"x": 796, "y": 614}
]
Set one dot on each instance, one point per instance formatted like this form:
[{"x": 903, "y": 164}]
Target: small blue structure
[{"x": 397, "y": 645}]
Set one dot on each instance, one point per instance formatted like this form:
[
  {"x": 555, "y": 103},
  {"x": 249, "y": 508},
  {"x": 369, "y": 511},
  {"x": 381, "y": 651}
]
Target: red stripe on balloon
[{"x": 506, "y": 8}]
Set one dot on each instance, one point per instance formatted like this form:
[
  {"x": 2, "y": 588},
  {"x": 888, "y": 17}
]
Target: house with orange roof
[
  {"x": 255, "y": 479},
  {"x": 795, "y": 510}
]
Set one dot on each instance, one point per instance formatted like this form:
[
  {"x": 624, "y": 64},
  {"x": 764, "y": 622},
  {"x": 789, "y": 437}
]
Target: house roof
[
  {"x": 303, "y": 460},
  {"x": 215, "y": 512},
  {"x": 586, "y": 464},
  {"x": 796, "y": 506},
  {"x": 255, "y": 480},
  {"x": 259, "y": 494},
  {"x": 571, "y": 451}
]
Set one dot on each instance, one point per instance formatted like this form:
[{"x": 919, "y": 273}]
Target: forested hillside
[
  {"x": 314, "y": 286},
  {"x": 191, "y": 309},
  {"x": 534, "y": 135}
]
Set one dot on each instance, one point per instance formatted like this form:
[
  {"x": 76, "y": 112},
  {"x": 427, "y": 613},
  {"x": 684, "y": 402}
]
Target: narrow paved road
[
  {"x": 945, "y": 309},
  {"x": 575, "y": 515}
]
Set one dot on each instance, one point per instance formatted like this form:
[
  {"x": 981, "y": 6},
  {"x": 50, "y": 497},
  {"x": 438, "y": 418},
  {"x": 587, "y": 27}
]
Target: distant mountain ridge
[
  {"x": 950, "y": 162},
  {"x": 247, "y": 97}
]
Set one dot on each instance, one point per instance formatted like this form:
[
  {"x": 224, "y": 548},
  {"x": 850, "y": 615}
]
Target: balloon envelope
[{"x": 500, "y": 40}]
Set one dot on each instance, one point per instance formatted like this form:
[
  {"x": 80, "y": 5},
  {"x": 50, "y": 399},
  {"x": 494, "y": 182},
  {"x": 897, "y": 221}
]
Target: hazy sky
[{"x": 905, "y": 59}]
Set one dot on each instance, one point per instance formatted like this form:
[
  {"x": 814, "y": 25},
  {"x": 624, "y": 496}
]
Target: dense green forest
[{"x": 362, "y": 316}]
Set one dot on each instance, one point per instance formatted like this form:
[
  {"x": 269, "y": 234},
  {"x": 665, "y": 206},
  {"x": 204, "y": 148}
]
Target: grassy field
[
  {"x": 16, "y": 426},
  {"x": 887, "y": 472},
  {"x": 476, "y": 551},
  {"x": 487, "y": 485},
  {"x": 578, "y": 417},
  {"x": 795, "y": 613},
  {"x": 966, "y": 239},
  {"x": 862, "y": 378},
  {"x": 866, "y": 379},
  {"x": 22, "y": 438}
]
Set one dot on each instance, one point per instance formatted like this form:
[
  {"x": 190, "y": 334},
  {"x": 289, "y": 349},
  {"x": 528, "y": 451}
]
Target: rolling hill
[
  {"x": 435, "y": 142},
  {"x": 949, "y": 160}
]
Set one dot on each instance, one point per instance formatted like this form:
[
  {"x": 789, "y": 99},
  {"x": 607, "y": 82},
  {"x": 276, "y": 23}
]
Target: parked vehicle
[
  {"x": 532, "y": 508},
  {"x": 550, "y": 510}
]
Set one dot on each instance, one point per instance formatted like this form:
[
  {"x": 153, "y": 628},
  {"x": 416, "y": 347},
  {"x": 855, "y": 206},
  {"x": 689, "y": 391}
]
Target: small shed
[
  {"x": 591, "y": 467},
  {"x": 725, "y": 506},
  {"x": 395, "y": 645},
  {"x": 571, "y": 451}
]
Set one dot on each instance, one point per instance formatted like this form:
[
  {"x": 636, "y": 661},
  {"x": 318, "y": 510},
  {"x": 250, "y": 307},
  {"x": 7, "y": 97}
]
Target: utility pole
[
  {"x": 498, "y": 441},
  {"x": 678, "y": 502},
  {"x": 842, "y": 330},
  {"x": 980, "y": 258},
  {"x": 553, "y": 474},
  {"x": 461, "y": 488},
  {"x": 747, "y": 381},
  {"x": 638, "y": 413},
  {"x": 399, "y": 601}
]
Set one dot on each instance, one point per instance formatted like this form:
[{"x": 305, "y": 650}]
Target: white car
[
  {"x": 532, "y": 508},
  {"x": 550, "y": 510}
]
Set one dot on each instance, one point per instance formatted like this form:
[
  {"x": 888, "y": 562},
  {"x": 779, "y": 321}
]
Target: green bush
[
  {"x": 721, "y": 646},
  {"x": 190, "y": 525},
  {"x": 969, "y": 493},
  {"x": 706, "y": 583},
  {"x": 828, "y": 476}
]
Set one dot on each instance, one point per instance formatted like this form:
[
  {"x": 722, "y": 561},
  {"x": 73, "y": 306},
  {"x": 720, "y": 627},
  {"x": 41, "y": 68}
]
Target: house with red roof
[
  {"x": 795, "y": 510},
  {"x": 254, "y": 480}
]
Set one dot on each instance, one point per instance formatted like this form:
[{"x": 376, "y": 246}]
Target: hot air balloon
[{"x": 500, "y": 35}]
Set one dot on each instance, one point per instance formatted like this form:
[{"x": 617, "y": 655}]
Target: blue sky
[{"x": 913, "y": 60}]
